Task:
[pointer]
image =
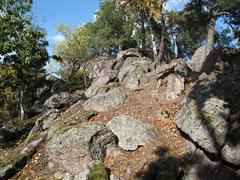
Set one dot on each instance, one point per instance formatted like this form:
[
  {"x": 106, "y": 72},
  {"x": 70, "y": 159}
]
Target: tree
[
  {"x": 23, "y": 46},
  {"x": 152, "y": 13},
  {"x": 186, "y": 31},
  {"x": 212, "y": 10},
  {"x": 113, "y": 28},
  {"x": 74, "y": 50}
]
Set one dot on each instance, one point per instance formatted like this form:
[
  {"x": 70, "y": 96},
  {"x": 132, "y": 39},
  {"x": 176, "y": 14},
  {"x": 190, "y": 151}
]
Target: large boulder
[
  {"x": 131, "y": 81},
  {"x": 57, "y": 101},
  {"x": 75, "y": 147},
  {"x": 134, "y": 65},
  {"x": 70, "y": 149},
  {"x": 96, "y": 66},
  {"x": 104, "y": 77},
  {"x": 205, "y": 123},
  {"x": 178, "y": 66},
  {"x": 175, "y": 86},
  {"x": 231, "y": 149},
  {"x": 211, "y": 109},
  {"x": 63, "y": 99},
  {"x": 105, "y": 100},
  {"x": 204, "y": 61},
  {"x": 131, "y": 132}
]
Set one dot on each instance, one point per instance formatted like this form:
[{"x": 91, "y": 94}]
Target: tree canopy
[{"x": 23, "y": 46}]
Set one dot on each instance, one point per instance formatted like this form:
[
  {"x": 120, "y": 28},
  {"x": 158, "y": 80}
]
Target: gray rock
[
  {"x": 178, "y": 67},
  {"x": 206, "y": 123},
  {"x": 134, "y": 65},
  {"x": 32, "y": 146},
  {"x": 231, "y": 149},
  {"x": 131, "y": 132},
  {"x": 63, "y": 175},
  {"x": 74, "y": 147},
  {"x": 59, "y": 86},
  {"x": 4, "y": 171},
  {"x": 132, "y": 52},
  {"x": 203, "y": 61},
  {"x": 131, "y": 81},
  {"x": 70, "y": 147},
  {"x": 37, "y": 107},
  {"x": 175, "y": 86},
  {"x": 95, "y": 67},
  {"x": 57, "y": 100},
  {"x": 104, "y": 78},
  {"x": 103, "y": 101},
  {"x": 162, "y": 114}
]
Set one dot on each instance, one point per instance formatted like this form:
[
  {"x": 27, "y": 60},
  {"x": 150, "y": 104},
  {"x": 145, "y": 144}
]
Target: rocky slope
[{"x": 137, "y": 120}]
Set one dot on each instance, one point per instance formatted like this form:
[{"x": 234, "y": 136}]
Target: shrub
[{"x": 77, "y": 80}]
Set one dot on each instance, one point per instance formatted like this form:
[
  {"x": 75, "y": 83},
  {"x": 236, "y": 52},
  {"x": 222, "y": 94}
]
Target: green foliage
[
  {"x": 22, "y": 46},
  {"x": 112, "y": 28},
  {"x": 98, "y": 172},
  {"x": 74, "y": 49},
  {"x": 77, "y": 80}
]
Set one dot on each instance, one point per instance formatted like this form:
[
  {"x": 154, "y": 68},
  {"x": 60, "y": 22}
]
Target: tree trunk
[
  {"x": 161, "y": 47},
  {"x": 154, "y": 45},
  {"x": 21, "y": 103},
  {"x": 143, "y": 36},
  {"x": 179, "y": 49},
  {"x": 210, "y": 36}
]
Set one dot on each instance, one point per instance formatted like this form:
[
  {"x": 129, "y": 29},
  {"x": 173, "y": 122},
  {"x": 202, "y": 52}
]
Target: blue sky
[{"x": 48, "y": 13}]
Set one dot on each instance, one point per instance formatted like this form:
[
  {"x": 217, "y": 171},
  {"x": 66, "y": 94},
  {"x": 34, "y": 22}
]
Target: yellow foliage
[{"x": 153, "y": 7}]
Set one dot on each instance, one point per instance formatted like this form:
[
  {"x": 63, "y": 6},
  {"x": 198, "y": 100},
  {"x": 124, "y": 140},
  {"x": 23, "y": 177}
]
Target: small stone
[{"x": 162, "y": 114}]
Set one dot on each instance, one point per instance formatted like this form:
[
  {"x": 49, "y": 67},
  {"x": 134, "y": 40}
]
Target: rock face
[
  {"x": 58, "y": 100},
  {"x": 134, "y": 65},
  {"x": 132, "y": 52},
  {"x": 205, "y": 123},
  {"x": 175, "y": 85},
  {"x": 231, "y": 149},
  {"x": 131, "y": 81},
  {"x": 62, "y": 99},
  {"x": 70, "y": 149},
  {"x": 178, "y": 67},
  {"x": 74, "y": 148},
  {"x": 131, "y": 132},
  {"x": 95, "y": 67},
  {"x": 202, "y": 61},
  {"x": 104, "y": 78},
  {"x": 205, "y": 115},
  {"x": 105, "y": 100}
]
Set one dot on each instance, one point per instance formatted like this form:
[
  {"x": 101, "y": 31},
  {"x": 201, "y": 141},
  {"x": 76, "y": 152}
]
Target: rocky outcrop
[
  {"x": 131, "y": 81},
  {"x": 205, "y": 123},
  {"x": 175, "y": 86},
  {"x": 132, "y": 52},
  {"x": 207, "y": 113},
  {"x": 75, "y": 147},
  {"x": 203, "y": 61},
  {"x": 104, "y": 78},
  {"x": 178, "y": 67},
  {"x": 105, "y": 100},
  {"x": 131, "y": 132},
  {"x": 132, "y": 70},
  {"x": 95, "y": 67},
  {"x": 70, "y": 148},
  {"x": 63, "y": 100},
  {"x": 57, "y": 101},
  {"x": 19, "y": 156},
  {"x": 231, "y": 149}
]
